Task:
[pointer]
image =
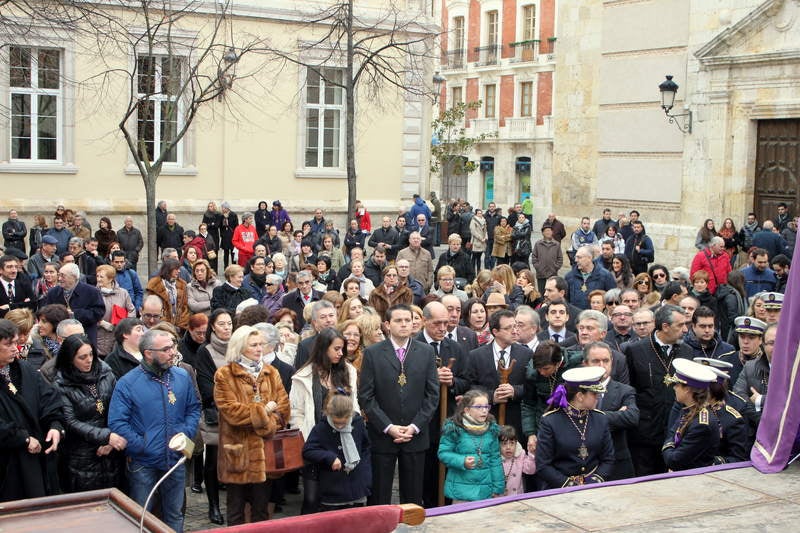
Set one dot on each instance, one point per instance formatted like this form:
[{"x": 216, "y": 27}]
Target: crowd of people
[{"x": 483, "y": 360}]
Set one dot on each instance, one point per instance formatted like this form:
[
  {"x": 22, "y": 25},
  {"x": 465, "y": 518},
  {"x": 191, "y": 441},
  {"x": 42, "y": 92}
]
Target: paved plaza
[{"x": 738, "y": 500}]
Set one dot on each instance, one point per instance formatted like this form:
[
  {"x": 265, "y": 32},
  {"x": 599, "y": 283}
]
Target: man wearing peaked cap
[
  {"x": 45, "y": 254},
  {"x": 750, "y": 333},
  {"x": 735, "y": 434},
  {"x": 753, "y": 381},
  {"x": 694, "y": 439},
  {"x": 773, "y": 303}
]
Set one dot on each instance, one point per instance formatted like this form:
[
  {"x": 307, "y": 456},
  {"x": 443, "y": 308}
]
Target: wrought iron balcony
[
  {"x": 487, "y": 55},
  {"x": 525, "y": 51},
  {"x": 455, "y": 59}
]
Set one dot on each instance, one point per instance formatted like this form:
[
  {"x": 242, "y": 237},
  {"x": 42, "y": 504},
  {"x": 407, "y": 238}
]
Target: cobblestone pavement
[{"x": 197, "y": 510}]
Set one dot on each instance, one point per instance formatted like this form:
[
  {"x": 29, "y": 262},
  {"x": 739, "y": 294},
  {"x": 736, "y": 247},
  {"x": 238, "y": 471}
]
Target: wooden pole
[
  {"x": 442, "y": 418},
  {"x": 503, "y": 373}
]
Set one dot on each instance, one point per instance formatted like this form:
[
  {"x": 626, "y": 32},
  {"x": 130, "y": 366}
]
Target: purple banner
[{"x": 780, "y": 419}]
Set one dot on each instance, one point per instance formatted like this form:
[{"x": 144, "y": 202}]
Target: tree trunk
[
  {"x": 150, "y": 196},
  {"x": 350, "y": 115}
]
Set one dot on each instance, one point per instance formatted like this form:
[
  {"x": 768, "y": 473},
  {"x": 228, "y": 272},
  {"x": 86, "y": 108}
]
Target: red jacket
[
  {"x": 718, "y": 268},
  {"x": 244, "y": 237}
]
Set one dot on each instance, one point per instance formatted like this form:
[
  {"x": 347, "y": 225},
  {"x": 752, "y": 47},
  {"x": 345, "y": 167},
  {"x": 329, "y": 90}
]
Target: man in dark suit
[
  {"x": 485, "y": 361},
  {"x": 14, "y": 293},
  {"x": 456, "y": 381},
  {"x": 323, "y": 315},
  {"x": 557, "y": 318},
  {"x": 399, "y": 392},
  {"x": 593, "y": 327},
  {"x": 649, "y": 361},
  {"x": 460, "y": 334},
  {"x": 84, "y": 302},
  {"x": 300, "y": 297},
  {"x": 619, "y": 405}
]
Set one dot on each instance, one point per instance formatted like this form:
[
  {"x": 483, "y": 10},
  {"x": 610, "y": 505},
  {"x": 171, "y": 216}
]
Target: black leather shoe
[
  {"x": 215, "y": 517},
  {"x": 197, "y": 489}
]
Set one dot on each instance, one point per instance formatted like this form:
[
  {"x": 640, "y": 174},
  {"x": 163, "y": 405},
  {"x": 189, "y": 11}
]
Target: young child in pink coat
[{"x": 516, "y": 461}]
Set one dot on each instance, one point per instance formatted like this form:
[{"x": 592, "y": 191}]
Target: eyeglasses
[
  {"x": 621, "y": 314},
  {"x": 150, "y": 316},
  {"x": 169, "y": 348},
  {"x": 480, "y": 407},
  {"x": 643, "y": 282},
  {"x": 660, "y": 275},
  {"x": 508, "y": 328}
]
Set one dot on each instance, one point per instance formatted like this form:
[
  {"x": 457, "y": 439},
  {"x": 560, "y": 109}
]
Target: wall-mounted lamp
[
  {"x": 668, "y": 90},
  {"x": 438, "y": 80}
]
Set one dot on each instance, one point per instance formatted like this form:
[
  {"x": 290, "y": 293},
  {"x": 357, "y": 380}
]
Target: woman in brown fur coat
[{"x": 252, "y": 405}]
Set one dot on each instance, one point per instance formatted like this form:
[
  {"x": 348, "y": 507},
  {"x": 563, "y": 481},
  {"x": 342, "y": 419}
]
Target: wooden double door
[{"x": 777, "y": 167}]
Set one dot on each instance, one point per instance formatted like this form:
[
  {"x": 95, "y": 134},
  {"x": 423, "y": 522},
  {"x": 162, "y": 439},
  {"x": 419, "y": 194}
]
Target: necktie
[
  {"x": 502, "y": 362},
  {"x": 556, "y": 337},
  {"x": 435, "y": 348},
  {"x": 306, "y": 298},
  {"x": 10, "y": 291},
  {"x": 450, "y": 336},
  {"x": 401, "y": 354},
  {"x": 600, "y": 401},
  {"x": 666, "y": 349}
]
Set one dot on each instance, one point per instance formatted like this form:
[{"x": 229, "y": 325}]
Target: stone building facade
[{"x": 738, "y": 66}]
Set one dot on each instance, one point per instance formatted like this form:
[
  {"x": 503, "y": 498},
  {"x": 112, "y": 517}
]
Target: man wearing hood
[{"x": 418, "y": 208}]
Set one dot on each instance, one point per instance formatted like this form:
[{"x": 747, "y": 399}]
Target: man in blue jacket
[
  {"x": 151, "y": 404},
  {"x": 586, "y": 277}
]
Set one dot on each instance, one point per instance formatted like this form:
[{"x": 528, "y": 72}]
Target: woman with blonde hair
[
  {"x": 505, "y": 282},
  {"x": 482, "y": 282},
  {"x": 351, "y": 309},
  {"x": 353, "y": 349},
  {"x": 113, "y": 296},
  {"x": 643, "y": 284},
  {"x": 370, "y": 327},
  {"x": 252, "y": 406}
]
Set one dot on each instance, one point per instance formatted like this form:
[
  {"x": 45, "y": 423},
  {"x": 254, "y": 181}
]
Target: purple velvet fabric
[
  {"x": 780, "y": 418},
  {"x": 471, "y": 506}
]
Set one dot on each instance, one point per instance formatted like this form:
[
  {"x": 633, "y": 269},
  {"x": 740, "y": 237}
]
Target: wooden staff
[
  {"x": 442, "y": 417},
  {"x": 503, "y": 373}
]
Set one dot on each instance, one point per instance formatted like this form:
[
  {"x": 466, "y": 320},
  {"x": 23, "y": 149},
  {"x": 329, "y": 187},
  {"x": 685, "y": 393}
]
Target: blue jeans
[{"x": 142, "y": 479}]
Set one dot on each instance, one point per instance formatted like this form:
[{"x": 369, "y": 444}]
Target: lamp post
[
  {"x": 438, "y": 80},
  {"x": 668, "y": 90}
]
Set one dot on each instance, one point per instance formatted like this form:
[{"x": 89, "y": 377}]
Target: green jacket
[
  {"x": 484, "y": 480},
  {"x": 537, "y": 389}
]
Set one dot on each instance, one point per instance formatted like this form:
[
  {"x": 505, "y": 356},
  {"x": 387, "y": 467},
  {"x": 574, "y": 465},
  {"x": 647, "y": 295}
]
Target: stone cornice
[
  {"x": 753, "y": 21},
  {"x": 784, "y": 56}
]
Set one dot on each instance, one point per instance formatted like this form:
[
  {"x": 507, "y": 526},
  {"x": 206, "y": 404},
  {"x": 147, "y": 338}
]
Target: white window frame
[
  {"x": 41, "y": 37},
  {"x": 452, "y": 89},
  {"x": 486, "y": 100},
  {"x": 181, "y": 43},
  {"x": 158, "y": 98},
  {"x": 518, "y": 100},
  {"x": 486, "y": 6},
  {"x": 520, "y": 15},
  {"x": 303, "y": 171}
]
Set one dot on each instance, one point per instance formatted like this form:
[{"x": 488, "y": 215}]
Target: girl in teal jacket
[{"x": 470, "y": 449}]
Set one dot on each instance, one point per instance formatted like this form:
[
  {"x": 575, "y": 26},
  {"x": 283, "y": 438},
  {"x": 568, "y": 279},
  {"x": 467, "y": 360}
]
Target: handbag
[{"x": 283, "y": 451}]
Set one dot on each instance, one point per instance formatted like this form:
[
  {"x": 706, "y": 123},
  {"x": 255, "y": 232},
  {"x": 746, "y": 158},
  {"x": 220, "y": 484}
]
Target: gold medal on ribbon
[
  {"x": 12, "y": 388},
  {"x": 171, "y": 397},
  {"x": 401, "y": 380},
  {"x": 100, "y": 407}
]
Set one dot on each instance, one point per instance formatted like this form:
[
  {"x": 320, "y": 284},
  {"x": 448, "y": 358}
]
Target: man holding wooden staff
[{"x": 451, "y": 360}]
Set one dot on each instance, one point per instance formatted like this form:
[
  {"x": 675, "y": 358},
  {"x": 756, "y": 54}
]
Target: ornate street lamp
[{"x": 668, "y": 90}]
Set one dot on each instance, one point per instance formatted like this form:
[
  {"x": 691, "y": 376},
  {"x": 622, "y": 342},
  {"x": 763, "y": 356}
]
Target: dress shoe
[{"x": 214, "y": 516}]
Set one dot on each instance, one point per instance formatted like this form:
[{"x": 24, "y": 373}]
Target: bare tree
[
  {"x": 451, "y": 144},
  {"x": 187, "y": 56},
  {"x": 378, "y": 51}
]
